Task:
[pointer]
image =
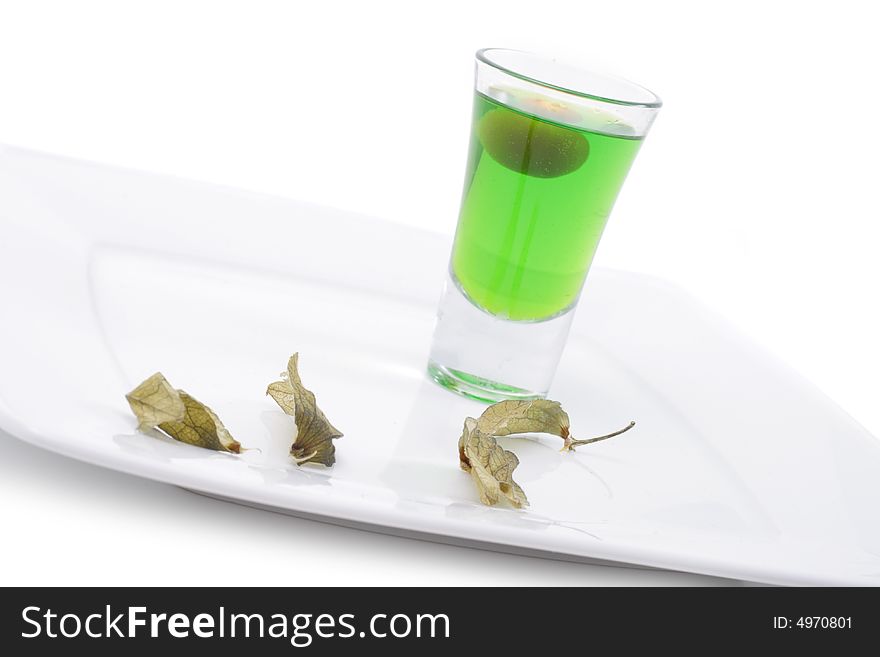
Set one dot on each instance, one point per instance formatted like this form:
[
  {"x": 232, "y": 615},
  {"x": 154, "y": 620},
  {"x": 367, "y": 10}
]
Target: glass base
[
  {"x": 475, "y": 387},
  {"x": 490, "y": 358}
]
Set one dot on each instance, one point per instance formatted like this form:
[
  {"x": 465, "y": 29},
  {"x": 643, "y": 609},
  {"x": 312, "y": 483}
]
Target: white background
[{"x": 756, "y": 190}]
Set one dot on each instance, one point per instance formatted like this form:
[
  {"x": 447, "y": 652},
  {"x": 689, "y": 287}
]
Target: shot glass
[{"x": 550, "y": 147}]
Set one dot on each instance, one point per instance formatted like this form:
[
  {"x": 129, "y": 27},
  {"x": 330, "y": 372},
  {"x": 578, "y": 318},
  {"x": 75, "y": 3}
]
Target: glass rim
[{"x": 482, "y": 55}]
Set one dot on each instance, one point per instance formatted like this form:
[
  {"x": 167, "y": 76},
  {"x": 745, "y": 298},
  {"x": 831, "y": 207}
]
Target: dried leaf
[
  {"x": 529, "y": 416},
  {"x": 314, "y": 433},
  {"x": 201, "y": 427},
  {"x": 490, "y": 466},
  {"x": 535, "y": 416},
  {"x": 157, "y": 405},
  {"x": 154, "y": 401}
]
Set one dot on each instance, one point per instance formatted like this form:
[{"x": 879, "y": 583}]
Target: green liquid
[{"x": 536, "y": 199}]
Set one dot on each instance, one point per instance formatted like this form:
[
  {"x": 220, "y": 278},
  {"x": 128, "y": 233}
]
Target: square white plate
[{"x": 737, "y": 467}]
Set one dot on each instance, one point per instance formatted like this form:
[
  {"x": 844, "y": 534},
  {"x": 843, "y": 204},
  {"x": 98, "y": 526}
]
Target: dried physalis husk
[
  {"x": 200, "y": 426},
  {"x": 535, "y": 416},
  {"x": 157, "y": 405},
  {"x": 154, "y": 401},
  {"x": 524, "y": 416},
  {"x": 490, "y": 466},
  {"x": 314, "y": 433}
]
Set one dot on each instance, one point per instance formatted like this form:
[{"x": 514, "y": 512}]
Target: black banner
[{"x": 429, "y": 621}]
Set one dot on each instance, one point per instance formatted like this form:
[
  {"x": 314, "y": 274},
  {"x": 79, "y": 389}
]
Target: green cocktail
[
  {"x": 536, "y": 198},
  {"x": 550, "y": 148}
]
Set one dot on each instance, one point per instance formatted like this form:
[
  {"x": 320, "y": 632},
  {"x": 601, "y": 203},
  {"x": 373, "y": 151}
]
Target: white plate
[{"x": 737, "y": 467}]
